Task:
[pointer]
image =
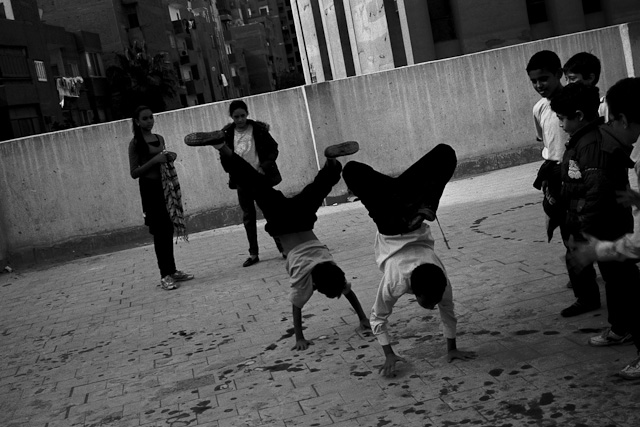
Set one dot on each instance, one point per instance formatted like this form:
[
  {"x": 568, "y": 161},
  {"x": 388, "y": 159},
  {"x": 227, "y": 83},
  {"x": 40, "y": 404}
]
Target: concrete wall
[{"x": 71, "y": 190}]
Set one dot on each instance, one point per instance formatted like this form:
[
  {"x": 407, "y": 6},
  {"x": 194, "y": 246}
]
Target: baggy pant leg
[{"x": 390, "y": 201}]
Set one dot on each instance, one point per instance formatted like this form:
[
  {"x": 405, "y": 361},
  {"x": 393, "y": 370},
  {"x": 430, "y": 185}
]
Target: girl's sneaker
[
  {"x": 181, "y": 276},
  {"x": 167, "y": 283},
  {"x": 632, "y": 370},
  {"x": 608, "y": 337}
]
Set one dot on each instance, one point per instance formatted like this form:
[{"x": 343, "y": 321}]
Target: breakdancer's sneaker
[
  {"x": 201, "y": 139},
  {"x": 343, "y": 149}
]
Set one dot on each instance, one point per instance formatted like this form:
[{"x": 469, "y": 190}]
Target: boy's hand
[
  {"x": 302, "y": 344},
  {"x": 388, "y": 369},
  {"x": 582, "y": 254},
  {"x": 459, "y": 354},
  {"x": 364, "y": 324}
]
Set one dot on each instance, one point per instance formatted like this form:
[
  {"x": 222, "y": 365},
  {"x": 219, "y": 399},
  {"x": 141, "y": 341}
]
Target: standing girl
[
  {"x": 252, "y": 141},
  {"x": 152, "y": 165}
]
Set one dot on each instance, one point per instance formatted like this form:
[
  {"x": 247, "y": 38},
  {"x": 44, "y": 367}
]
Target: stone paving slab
[{"x": 95, "y": 343}]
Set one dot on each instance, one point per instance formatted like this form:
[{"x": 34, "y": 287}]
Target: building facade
[
  {"x": 262, "y": 43},
  {"x": 187, "y": 33},
  {"x": 50, "y": 78},
  {"x": 341, "y": 38}
]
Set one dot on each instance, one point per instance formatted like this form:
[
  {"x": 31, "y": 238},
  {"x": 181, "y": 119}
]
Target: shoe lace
[{"x": 446, "y": 242}]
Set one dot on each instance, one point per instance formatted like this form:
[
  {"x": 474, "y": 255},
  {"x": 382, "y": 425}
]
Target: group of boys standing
[
  {"x": 585, "y": 185},
  {"x": 588, "y": 144}
]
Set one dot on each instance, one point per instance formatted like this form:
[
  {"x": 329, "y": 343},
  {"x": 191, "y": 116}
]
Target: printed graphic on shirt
[{"x": 574, "y": 170}]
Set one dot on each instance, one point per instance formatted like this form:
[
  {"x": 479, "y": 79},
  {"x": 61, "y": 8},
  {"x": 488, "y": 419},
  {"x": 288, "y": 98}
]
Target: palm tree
[{"x": 140, "y": 79}]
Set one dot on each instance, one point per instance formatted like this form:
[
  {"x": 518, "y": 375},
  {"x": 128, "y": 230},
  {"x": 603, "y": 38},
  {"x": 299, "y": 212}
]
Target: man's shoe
[
  {"x": 167, "y": 283},
  {"x": 181, "y": 276},
  {"x": 342, "y": 149},
  {"x": 632, "y": 370},
  {"x": 200, "y": 139},
  {"x": 578, "y": 308},
  {"x": 608, "y": 337},
  {"x": 251, "y": 260}
]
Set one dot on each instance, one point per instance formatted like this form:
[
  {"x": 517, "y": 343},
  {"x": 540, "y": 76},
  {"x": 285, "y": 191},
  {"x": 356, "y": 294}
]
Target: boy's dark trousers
[
  {"x": 393, "y": 202},
  {"x": 622, "y": 287},
  {"x": 285, "y": 215},
  {"x": 249, "y": 218}
]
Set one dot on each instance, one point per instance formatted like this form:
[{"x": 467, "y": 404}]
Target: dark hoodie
[
  {"x": 594, "y": 167},
  {"x": 266, "y": 149}
]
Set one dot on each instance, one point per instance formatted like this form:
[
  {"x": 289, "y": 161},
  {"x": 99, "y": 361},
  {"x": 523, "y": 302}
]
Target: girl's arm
[{"x": 135, "y": 168}]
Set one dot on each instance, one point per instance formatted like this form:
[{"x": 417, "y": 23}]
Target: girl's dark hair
[
  {"x": 577, "y": 97},
  {"x": 238, "y": 103},
  {"x": 622, "y": 98},
  {"x": 141, "y": 147}
]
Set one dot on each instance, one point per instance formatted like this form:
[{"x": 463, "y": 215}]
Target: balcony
[
  {"x": 178, "y": 27},
  {"x": 185, "y": 58},
  {"x": 181, "y": 26}
]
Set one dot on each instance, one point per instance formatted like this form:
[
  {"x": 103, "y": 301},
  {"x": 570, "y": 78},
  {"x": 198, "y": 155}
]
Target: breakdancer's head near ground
[
  {"x": 309, "y": 262},
  {"x": 404, "y": 247}
]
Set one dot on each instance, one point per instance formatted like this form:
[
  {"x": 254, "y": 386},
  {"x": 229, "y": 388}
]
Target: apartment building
[
  {"x": 341, "y": 38},
  {"x": 50, "y": 78},
  {"x": 187, "y": 33}
]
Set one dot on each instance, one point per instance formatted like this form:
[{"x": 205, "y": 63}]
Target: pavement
[{"x": 95, "y": 343}]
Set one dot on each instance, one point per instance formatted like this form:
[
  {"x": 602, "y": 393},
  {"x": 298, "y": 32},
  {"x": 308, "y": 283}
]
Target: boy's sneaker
[
  {"x": 167, "y": 283},
  {"x": 632, "y": 370},
  {"x": 609, "y": 337},
  {"x": 200, "y": 139},
  {"x": 343, "y": 149},
  {"x": 181, "y": 276}
]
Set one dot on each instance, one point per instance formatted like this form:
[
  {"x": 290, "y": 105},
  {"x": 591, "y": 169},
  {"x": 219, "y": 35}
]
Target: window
[
  {"x": 172, "y": 41},
  {"x": 13, "y": 63},
  {"x": 24, "y": 120},
  {"x": 41, "y": 72},
  {"x": 591, "y": 6},
  {"x": 195, "y": 73},
  {"x": 264, "y": 10},
  {"x": 71, "y": 69},
  {"x": 133, "y": 20},
  {"x": 6, "y": 11},
  {"x": 537, "y": 11},
  {"x": 94, "y": 65},
  {"x": 442, "y": 25}
]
